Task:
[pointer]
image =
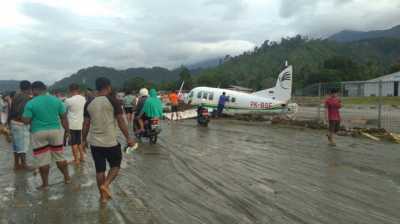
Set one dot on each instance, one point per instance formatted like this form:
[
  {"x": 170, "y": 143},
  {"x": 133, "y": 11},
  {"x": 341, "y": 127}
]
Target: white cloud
[{"x": 47, "y": 39}]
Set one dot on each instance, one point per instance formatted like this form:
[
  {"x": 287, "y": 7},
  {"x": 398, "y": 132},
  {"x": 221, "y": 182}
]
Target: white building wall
[{"x": 372, "y": 89}]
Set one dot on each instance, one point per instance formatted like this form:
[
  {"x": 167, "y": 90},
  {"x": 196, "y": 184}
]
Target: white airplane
[{"x": 274, "y": 100}]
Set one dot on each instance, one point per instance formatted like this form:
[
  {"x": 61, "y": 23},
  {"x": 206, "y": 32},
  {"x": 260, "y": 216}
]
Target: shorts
[
  {"x": 128, "y": 110},
  {"x": 334, "y": 126},
  {"x": 174, "y": 108},
  {"x": 75, "y": 137},
  {"x": 20, "y": 137},
  {"x": 48, "y": 146},
  {"x": 102, "y": 155}
]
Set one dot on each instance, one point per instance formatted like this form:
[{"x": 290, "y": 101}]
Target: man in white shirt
[{"x": 75, "y": 105}]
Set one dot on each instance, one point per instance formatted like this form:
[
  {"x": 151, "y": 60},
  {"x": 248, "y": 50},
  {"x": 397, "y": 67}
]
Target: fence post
[
  {"x": 342, "y": 89},
  {"x": 319, "y": 100},
  {"x": 380, "y": 105}
]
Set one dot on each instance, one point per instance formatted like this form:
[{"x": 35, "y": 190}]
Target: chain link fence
[{"x": 368, "y": 104}]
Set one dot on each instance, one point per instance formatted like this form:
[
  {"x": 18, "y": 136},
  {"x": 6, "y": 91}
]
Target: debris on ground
[
  {"x": 312, "y": 124},
  {"x": 375, "y": 134},
  {"x": 370, "y": 136}
]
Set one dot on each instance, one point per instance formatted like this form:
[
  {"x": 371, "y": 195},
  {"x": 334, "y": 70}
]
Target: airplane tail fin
[{"x": 283, "y": 88}]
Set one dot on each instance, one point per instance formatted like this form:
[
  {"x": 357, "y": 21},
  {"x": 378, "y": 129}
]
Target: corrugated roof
[{"x": 390, "y": 77}]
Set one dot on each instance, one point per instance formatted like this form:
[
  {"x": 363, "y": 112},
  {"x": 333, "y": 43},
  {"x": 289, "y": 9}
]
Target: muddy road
[{"x": 231, "y": 172}]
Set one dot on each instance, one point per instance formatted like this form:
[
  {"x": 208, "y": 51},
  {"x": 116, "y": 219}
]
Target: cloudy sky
[{"x": 50, "y": 39}]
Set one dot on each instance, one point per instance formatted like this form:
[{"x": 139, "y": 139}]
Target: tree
[
  {"x": 395, "y": 67},
  {"x": 185, "y": 76},
  {"x": 135, "y": 84}
]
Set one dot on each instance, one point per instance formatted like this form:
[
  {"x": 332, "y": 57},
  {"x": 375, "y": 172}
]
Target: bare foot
[
  {"x": 103, "y": 200},
  {"x": 77, "y": 163},
  {"x": 67, "y": 180},
  {"x": 28, "y": 168},
  {"x": 43, "y": 188},
  {"x": 17, "y": 167},
  {"x": 106, "y": 192}
]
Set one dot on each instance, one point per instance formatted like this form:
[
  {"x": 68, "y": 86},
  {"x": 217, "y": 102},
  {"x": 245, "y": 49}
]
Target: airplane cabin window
[
  {"x": 199, "y": 94},
  {"x": 211, "y": 96},
  {"x": 233, "y": 99},
  {"x": 205, "y": 95}
]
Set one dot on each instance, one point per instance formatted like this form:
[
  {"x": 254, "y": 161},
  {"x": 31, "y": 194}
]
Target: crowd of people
[{"x": 45, "y": 123}]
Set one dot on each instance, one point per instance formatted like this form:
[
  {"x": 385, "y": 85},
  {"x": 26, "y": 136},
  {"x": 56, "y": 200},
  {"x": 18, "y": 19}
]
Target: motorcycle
[
  {"x": 152, "y": 128},
  {"x": 203, "y": 117}
]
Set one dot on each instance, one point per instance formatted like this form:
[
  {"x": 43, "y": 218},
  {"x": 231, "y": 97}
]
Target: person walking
[
  {"x": 332, "y": 115},
  {"x": 174, "y": 100},
  {"x": 75, "y": 105},
  {"x": 45, "y": 113},
  {"x": 4, "y": 107},
  {"x": 221, "y": 104},
  {"x": 101, "y": 117},
  {"x": 129, "y": 102},
  {"x": 19, "y": 131}
]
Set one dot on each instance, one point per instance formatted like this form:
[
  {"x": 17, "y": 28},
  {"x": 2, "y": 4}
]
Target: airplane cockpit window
[
  {"x": 211, "y": 96},
  {"x": 199, "y": 94},
  {"x": 191, "y": 94}
]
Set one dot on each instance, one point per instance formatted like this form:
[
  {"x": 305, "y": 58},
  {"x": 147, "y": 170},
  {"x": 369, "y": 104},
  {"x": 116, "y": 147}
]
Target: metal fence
[{"x": 364, "y": 104}]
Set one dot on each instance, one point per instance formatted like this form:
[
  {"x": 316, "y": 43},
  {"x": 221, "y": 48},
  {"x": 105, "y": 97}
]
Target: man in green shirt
[{"x": 44, "y": 113}]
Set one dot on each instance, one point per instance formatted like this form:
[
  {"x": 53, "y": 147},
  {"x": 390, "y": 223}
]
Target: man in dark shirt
[
  {"x": 20, "y": 131},
  {"x": 103, "y": 115}
]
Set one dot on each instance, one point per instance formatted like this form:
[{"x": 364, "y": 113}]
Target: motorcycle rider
[
  {"x": 200, "y": 109},
  {"x": 143, "y": 94},
  {"x": 152, "y": 108}
]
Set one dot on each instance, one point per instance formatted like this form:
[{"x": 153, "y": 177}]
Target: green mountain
[
  {"x": 8, "y": 86},
  {"x": 313, "y": 60},
  {"x": 209, "y": 63},
  {"x": 350, "y": 35},
  {"x": 88, "y": 76}
]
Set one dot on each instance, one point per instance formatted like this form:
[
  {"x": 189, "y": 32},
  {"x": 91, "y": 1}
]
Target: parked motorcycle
[{"x": 203, "y": 117}]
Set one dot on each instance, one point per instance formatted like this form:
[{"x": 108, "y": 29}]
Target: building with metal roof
[{"x": 389, "y": 84}]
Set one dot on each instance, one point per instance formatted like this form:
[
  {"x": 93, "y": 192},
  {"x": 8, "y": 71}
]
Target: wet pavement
[{"x": 231, "y": 172}]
